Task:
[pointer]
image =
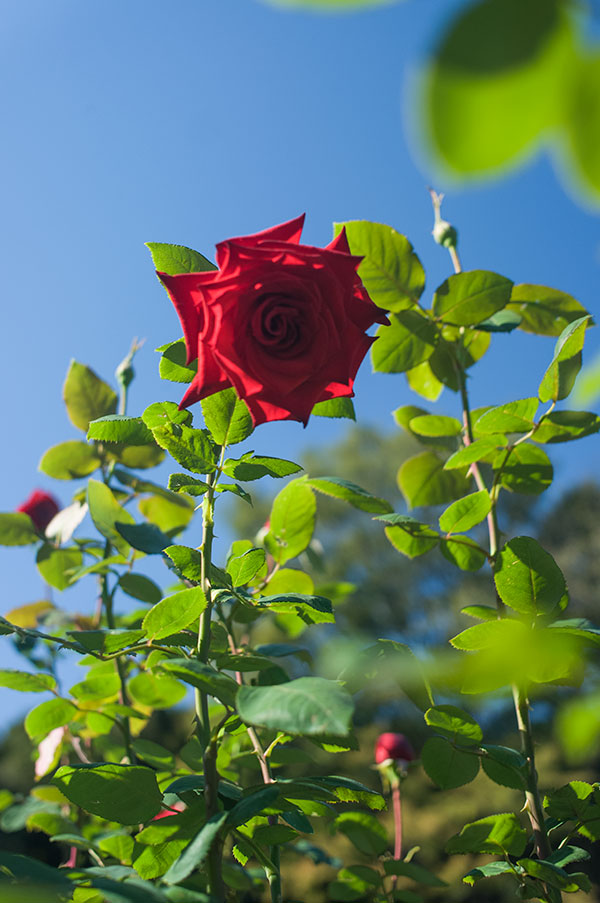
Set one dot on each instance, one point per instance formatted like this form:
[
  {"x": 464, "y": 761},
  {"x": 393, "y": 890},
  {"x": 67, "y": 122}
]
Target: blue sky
[{"x": 189, "y": 122}]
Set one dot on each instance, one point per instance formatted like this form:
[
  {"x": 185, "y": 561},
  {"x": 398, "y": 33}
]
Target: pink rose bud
[
  {"x": 395, "y": 747},
  {"x": 41, "y": 508}
]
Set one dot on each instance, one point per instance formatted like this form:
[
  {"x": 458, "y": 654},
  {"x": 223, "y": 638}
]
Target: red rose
[
  {"x": 41, "y": 508},
  {"x": 283, "y": 323},
  {"x": 393, "y": 746}
]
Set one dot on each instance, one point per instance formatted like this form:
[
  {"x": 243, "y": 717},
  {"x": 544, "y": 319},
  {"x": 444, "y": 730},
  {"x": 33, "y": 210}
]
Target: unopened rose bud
[
  {"x": 445, "y": 234},
  {"x": 395, "y": 748},
  {"x": 125, "y": 372},
  {"x": 41, "y": 508}
]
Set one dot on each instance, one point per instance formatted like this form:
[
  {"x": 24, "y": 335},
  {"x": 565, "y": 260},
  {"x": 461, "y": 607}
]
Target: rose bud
[
  {"x": 282, "y": 322},
  {"x": 41, "y": 508},
  {"x": 394, "y": 747}
]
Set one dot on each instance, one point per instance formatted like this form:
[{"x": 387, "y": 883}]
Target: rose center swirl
[{"x": 278, "y": 323}]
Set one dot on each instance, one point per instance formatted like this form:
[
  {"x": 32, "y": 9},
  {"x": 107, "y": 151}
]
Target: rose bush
[
  {"x": 41, "y": 508},
  {"x": 281, "y": 322}
]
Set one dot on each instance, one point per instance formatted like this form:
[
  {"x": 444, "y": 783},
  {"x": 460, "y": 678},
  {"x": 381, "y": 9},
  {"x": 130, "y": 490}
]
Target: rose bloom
[
  {"x": 281, "y": 322},
  {"x": 41, "y": 508},
  {"x": 395, "y": 747}
]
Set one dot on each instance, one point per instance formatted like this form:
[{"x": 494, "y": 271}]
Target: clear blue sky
[{"x": 192, "y": 121}]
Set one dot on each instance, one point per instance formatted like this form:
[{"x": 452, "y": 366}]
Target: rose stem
[
  {"x": 521, "y": 702},
  {"x": 273, "y": 877},
  {"x": 211, "y": 779}
]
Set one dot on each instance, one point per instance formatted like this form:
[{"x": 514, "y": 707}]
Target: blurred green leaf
[
  {"x": 424, "y": 481},
  {"x": 70, "y": 460},
  {"x": 57, "y": 565},
  {"x": 364, "y": 831},
  {"x": 105, "y": 511},
  {"x": 86, "y": 396},
  {"x": 545, "y": 311},
  {"x": 17, "y": 529}
]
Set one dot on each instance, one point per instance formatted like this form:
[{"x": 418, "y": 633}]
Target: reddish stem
[{"x": 397, "y": 807}]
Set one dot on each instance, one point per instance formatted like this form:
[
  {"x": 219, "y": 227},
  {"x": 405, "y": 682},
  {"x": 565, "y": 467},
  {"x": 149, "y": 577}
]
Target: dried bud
[
  {"x": 394, "y": 747},
  {"x": 41, "y": 508}
]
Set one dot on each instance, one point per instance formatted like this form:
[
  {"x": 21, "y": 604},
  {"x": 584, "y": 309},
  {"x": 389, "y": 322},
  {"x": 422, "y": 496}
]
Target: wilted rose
[{"x": 281, "y": 322}]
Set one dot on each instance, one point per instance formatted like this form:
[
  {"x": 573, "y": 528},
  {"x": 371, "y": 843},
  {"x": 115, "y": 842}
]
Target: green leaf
[
  {"x": 32, "y": 880},
  {"x": 528, "y": 469},
  {"x": 146, "y": 538},
  {"x": 17, "y": 529},
  {"x": 236, "y": 489},
  {"x": 408, "y": 536},
  {"x": 424, "y": 481},
  {"x": 493, "y": 83},
  {"x": 351, "y": 493},
  {"x": 480, "y": 450},
  {"x": 490, "y": 870},
  {"x": 390, "y": 270},
  {"x": 414, "y": 871},
  {"x": 244, "y": 567},
  {"x": 466, "y": 299},
  {"x": 408, "y": 340},
  {"x": 494, "y": 834},
  {"x": 463, "y": 552},
  {"x": 158, "y": 691},
  {"x": 339, "y": 408},
  {"x": 564, "y": 426},
  {"x": 424, "y": 382},
  {"x": 549, "y": 873},
  {"x": 489, "y": 635},
  {"x": 187, "y": 561},
  {"x": 505, "y": 766},
  {"x": 560, "y": 376},
  {"x": 292, "y": 521},
  {"x": 435, "y": 425},
  {"x": 195, "y": 854},
  {"x": 26, "y": 682},
  {"x": 86, "y": 396},
  {"x": 455, "y": 724},
  {"x": 174, "y": 613},
  {"x": 512, "y": 417},
  {"x": 106, "y": 512},
  {"x": 96, "y": 687},
  {"x": 183, "y": 482},
  {"x": 308, "y": 706},
  {"x": 168, "y": 514},
  {"x": 153, "y": 753},
  {"x": 69, "y": 460},
  {"x": 120, "y": 428},
  {"x": 127, "y": 794},
  {"x": 191, "y": 448},
  {"x": 47, "y": 716},
  {"x": 57, "y": 565},
  {"x": 391, "y": 668},
  {"x": 176, "y": 259},
  {"x": 363, "y": 830},
  {"x": 227, "y": 417},
  {"x": 543, "y": 310},
  {"x": 527, "y": 578},
  {"x": 203, "y": 677},
  {"x": 253, "y": 467},
  {"x": 501, "y": 321},
  {"x": 173, "y": 364},
  {"x": 252, "y": 804},
  {"x": 447, "y": 766},
  {"x": 466, "y": 513},
  {"x": 573, "y": 802},
  {"x": 138, "y": 457},
  {"x": 164, "y": 412},
  {"x": 312, "y": 609},
  {"x": 106, "y": 640},
  {"x": 140, "y": 587}
]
